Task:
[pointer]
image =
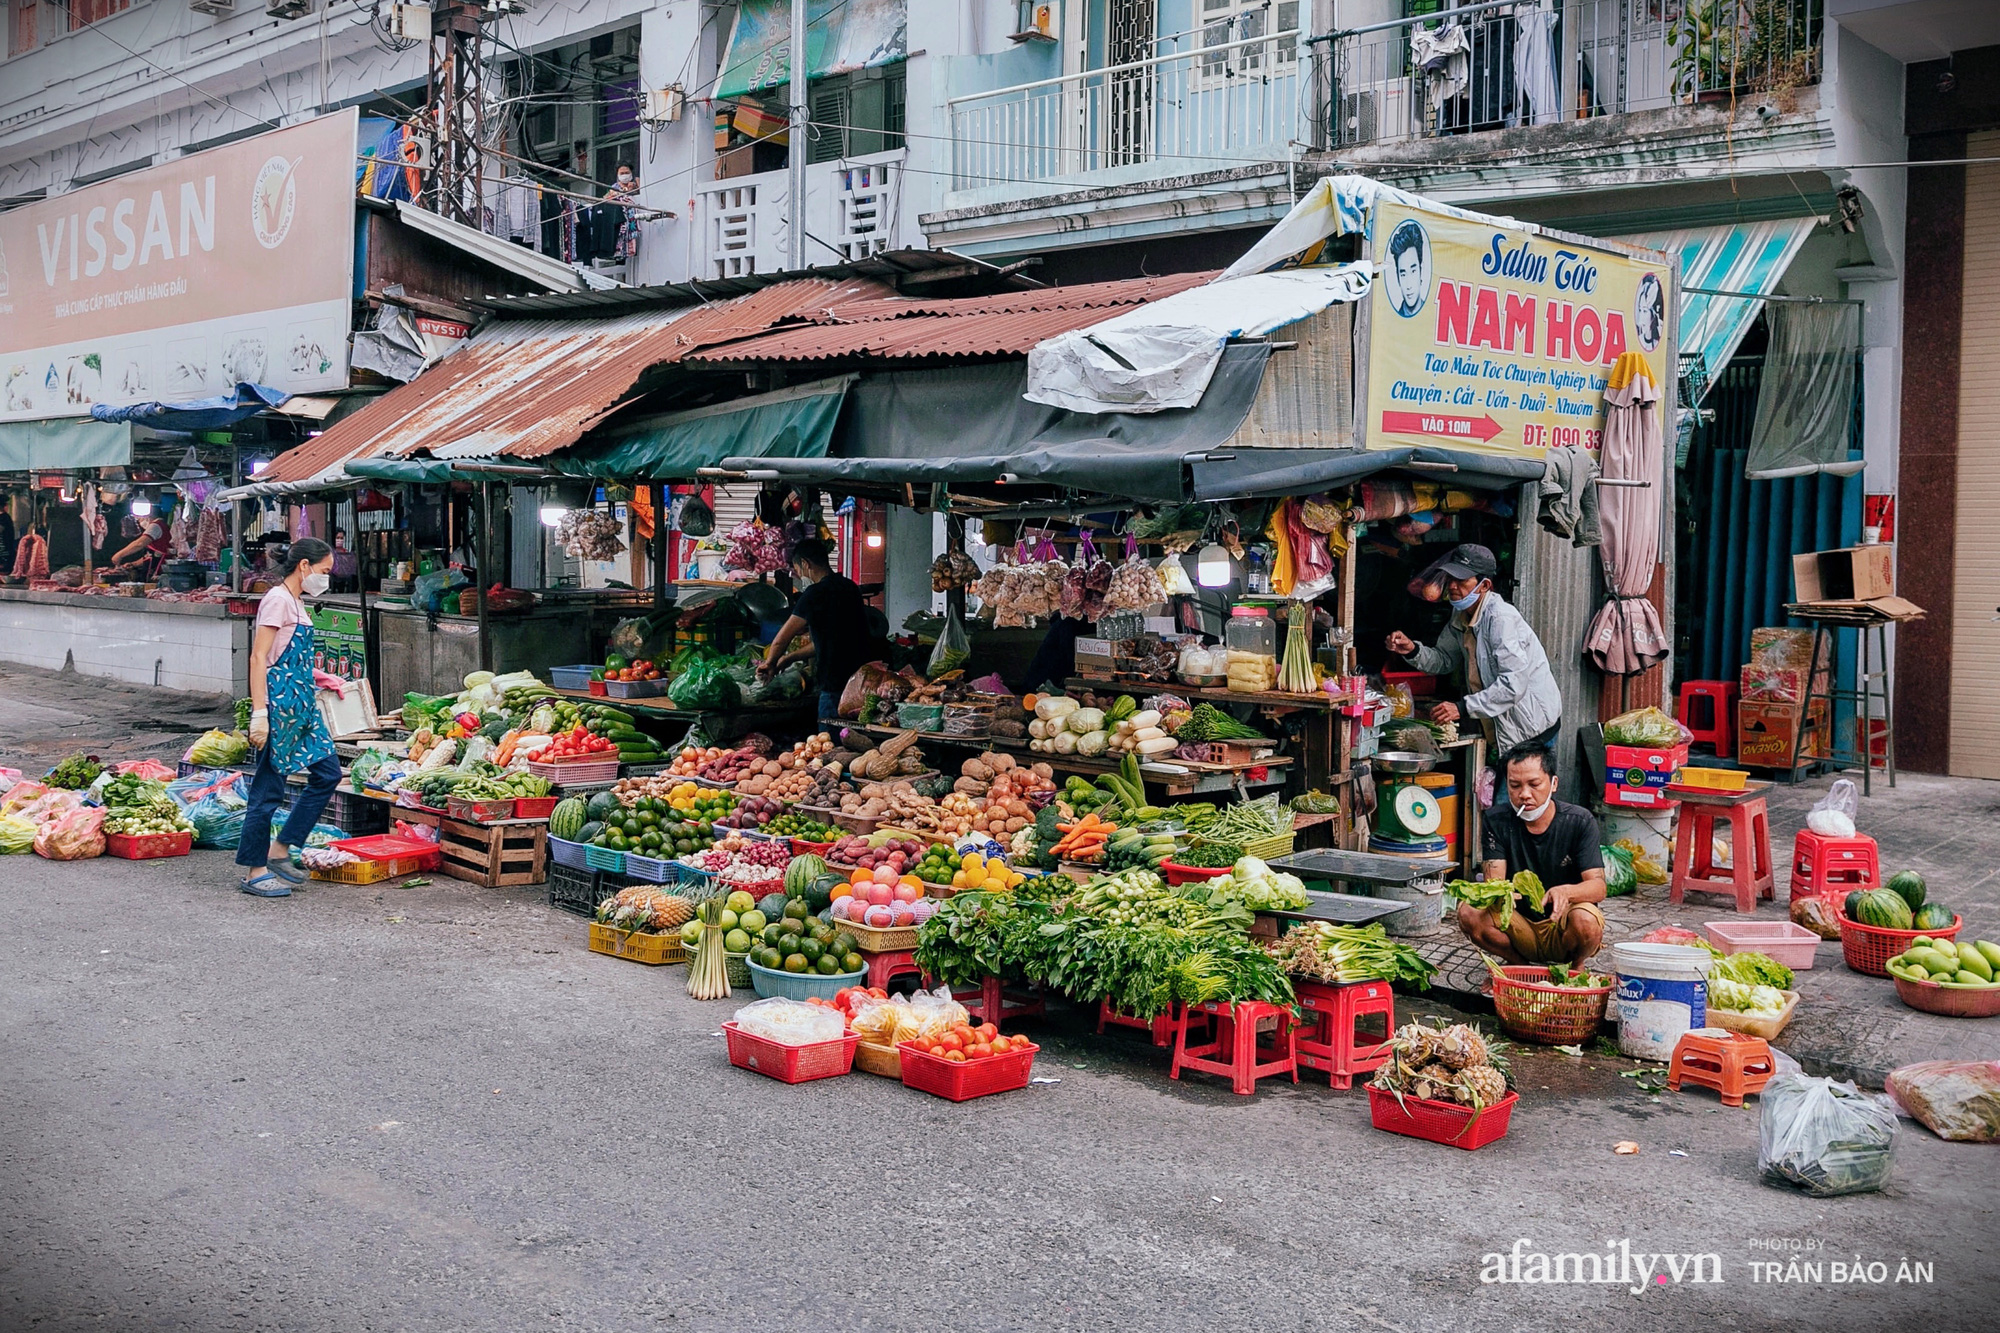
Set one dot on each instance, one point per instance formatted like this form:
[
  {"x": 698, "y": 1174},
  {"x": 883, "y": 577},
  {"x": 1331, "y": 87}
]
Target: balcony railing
[
  {"x": 1515, "y": 62},
  {"x": 852, "y": 211},
  {"x": 1201, "y": 107}
]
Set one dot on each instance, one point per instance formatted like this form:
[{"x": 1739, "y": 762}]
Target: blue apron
[{"x": 298, "y": 733}]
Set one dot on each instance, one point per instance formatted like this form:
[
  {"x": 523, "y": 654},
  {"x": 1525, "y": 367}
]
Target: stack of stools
[
  {"x": 1243, "y": 1060},
  {"x": 1716, "y": 698},
  {"x": 1733, "y": 1064},
  {"x": 1748, "y": 875},
  {"x": 1330, "y": 1040},
  {"x": 1826, "y": 867},
  {"x": 1161, "y": 1027}
]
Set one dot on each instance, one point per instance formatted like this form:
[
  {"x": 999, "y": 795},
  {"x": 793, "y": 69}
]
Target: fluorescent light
[
  {"x": 141, "y": 506},
  {"x": 874, "y": 540},
  {"x": 553, "y": 515},
  {"x": 1211, "y": 567}
]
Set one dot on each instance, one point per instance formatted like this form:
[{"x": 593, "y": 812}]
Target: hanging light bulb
[
  {"x": 141, "y": 505},
  {"x": 554, "y": 514},
  {"x": 874, "y": 540},
  {"x": 1211, "y": 568}
]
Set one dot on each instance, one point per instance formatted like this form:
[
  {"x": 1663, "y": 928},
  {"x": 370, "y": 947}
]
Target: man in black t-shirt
[
  {"x": 830, "y": 606},
  {"x": 1529, "y": 829}
]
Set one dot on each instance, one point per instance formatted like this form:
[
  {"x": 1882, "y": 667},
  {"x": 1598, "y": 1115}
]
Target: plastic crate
[
  {"x": 651, "y": 869},
  {"x": 371, "y": 872},
  {"x": 1440, "y": 1122},
  {"x": 603, "y": 858},
  {"x": 697, "y": 885},
  {"x": 1177, "y": 874},
  {"x": 768, "y": 982},
  {"x": 634, "y": 689},
  {"x": 789, "y": 1064},
  {"x": 962, "y": 1080},
  {"x": 1782, "y": 941},
  {"x": 652, "y": 948},
  {"x": 571, "y": 855},
  {"x": 800, "y": 847},
  {"x": 1713, "y": 779},
  {"x": 576, "y": 772},
  {"x": 572, "y": 677},
  {"x": 147, "y": 846},
  {"x": 354, "y": 814},
  {"x": 393, "y": 847},
  {"x": 535, "y": 807},
  {"x": 1532, "y": 1008},
  {"x": 1868, "y": 949},
  {"x": 479, "y": 812},
  {"x": 578, "y": 891}
]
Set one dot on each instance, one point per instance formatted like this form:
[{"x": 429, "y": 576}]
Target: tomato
[
  {"x": 1001, "y": 1046},
  {"x": 957, "y": 1057},
  {"x": 878, "y": 992},
  {"x": 979, "y": 1051},
  {"x": 988, "y": 1031},
  {"x": 951, "y": 1041}
]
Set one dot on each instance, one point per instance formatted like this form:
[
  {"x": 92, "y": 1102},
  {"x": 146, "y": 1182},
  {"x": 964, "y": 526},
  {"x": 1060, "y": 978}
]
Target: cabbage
[
  {"x": 1055, "y": 707},
  {"x": 1082, "y": 721},
  {"x": 1093, "y": 742},
  {"x": 477, "y": 678}
]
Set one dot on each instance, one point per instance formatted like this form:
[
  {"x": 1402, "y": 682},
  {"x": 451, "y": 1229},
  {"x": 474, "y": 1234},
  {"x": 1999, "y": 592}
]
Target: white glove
[{"x": 260, "y": 730}]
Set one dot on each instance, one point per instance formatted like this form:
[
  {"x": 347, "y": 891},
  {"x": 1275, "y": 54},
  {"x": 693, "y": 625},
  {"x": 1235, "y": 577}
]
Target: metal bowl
[{"x": 1405, "y": 761}]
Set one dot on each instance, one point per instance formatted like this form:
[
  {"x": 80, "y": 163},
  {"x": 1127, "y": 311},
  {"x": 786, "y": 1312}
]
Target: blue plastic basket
[
  {"x": 575, "y": 855},
  {"x": 603, "y": 858},
  {"x": 768, "y": 982},
  {"x": 696, "y": 885},
  {"x": 651, "y": 869},
  {"x": 571, "y": 677}
]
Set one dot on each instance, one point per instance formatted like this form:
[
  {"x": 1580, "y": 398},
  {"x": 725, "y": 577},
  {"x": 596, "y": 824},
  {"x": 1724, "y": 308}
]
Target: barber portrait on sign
[
  {"x": 1649, "y": 311},
  {"x": 1409, "y": 267}
]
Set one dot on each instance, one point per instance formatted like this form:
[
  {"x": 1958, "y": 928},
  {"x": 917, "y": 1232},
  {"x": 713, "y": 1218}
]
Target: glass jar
[{"x": 1252, "y": 640}]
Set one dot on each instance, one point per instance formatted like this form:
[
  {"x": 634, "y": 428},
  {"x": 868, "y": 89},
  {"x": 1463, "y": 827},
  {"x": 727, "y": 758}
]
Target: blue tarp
[{"x": 197, "y": 413}]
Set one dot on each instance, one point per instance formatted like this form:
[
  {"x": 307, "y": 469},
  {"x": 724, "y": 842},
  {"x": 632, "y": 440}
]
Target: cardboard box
[
  {"x": 1857, "y": 576},
  {"x": 1771, "y": 685},
  {"x": 1764, "y": 734},
  {"x": 1636, "y": 775},
  {"x": 1782, "y": 646},
  {"x": 1094, "y": 657}
]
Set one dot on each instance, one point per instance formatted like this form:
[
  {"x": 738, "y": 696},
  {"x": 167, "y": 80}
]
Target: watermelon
[
  {"x": 772, "y": 905},
  {"x": 603, "y": 806},
  {"x": 1851, "y": 907},
  {"x": 1932, "y": 916},
  {"x": 800, "y": 874},
  {"x": 1883, "y": 907},
  {"x": 1909, "y": 886},
  {"x": 568, "y": 816},
  {"x": 588, "y": 832},
  {"x": 819, "y": 894}
]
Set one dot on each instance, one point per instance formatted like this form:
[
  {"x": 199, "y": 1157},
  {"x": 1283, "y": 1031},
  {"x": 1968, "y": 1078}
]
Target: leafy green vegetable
[
  {"x": 1206, "y": 722},
  {"x": 76, "y": 772},
  {"x": 1752, "y": 969},
  {"x": 1497, "y": 895},
  {"x": 1327, "y": 952}
]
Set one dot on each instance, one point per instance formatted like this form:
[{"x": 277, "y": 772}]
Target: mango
[
  {"x": 1945, "y": 947},
  {"x": 1990, "y": 951},
  {"x": 1971, "y": 960},
  {"x": 1930, "y": 960}
]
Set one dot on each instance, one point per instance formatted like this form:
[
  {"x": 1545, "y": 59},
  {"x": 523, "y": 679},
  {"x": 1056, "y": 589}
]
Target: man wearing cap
[{"x": 1509, "y": 690}]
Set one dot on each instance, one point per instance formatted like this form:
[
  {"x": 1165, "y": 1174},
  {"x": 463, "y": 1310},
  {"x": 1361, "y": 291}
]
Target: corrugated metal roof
[
  {"x": 898, "y": 328},
  {"x": 527, "y": 388}
]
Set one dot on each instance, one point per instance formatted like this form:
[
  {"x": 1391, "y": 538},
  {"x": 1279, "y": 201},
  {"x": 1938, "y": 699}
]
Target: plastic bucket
[
  {"x": 1426, "y": 909},
  {"x": 1662, "y": 996},
  {"x": 1653, "y": 830}
]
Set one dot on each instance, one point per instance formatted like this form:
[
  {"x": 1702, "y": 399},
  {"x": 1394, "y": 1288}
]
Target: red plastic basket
[
  {"x": 800, "y": 847},
  {"x": 1179, "y": 874},
  {"x": 789, "y": 1064},
  {"x": 1868, "y": 949},
  {"x": 147, "y": 846},
  {"x": 962, "y": 1080},
  {"x": 390, "y": 847},
  {"x": 534, "y": 807},
  {"x": 1440, "y": 1122},
  {"x": 1531, "y": 1008}
]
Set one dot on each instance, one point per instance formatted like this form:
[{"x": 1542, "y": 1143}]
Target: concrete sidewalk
[{"x": 1847, "y": 1025}]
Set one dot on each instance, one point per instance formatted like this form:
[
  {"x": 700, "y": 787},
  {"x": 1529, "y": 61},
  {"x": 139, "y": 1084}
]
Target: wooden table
[{"x": 1200, "y": 777}]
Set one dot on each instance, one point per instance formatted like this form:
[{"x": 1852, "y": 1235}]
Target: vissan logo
[{"x": 1618, "y": 1266}]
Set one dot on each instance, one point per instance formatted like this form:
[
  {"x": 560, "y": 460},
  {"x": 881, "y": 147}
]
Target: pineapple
[
  {"x": 1478, "y": 1086},
  {"x": 671, "y": 911},
  {"x": 1461, "y": 1047},
  {"x": 1433, "y": 1082},
  {"x": 1416, "y": 1045}
]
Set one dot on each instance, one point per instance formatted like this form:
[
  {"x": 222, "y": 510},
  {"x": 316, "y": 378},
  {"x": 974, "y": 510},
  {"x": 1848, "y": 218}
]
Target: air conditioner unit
[
  {"x": 1357, "y": 122},
  {"x": 289, "y": 9},
  {"x": 410, "y": 23},
  {"x": 625, "y": 42},
  {"x": 221, "y": 9}
]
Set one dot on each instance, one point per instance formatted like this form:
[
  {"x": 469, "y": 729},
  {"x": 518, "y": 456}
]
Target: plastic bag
[
  {"x": 1649, "y": 870},
  {"x": 1954, "y": 1099},
  {"x": 17, "y": 835},
  {"x": 218, "y": 749},
  {"x": 1174, "y": 578},
  {"x": 954, "y": 646},
  {"x": 702, "y": 681},
  {"x": 791, "y": 1022},
  {"x": 1823, "y": 1137},
  {"x": 431, "y": 589},
  {"x": 696, "y": 518},
  {"x": 1833, "y": 815},
  {"x": 1402, "y": 703},
  {"x": 1619, "y": 876},
  {"x": 51, "y": 805},
  {"x": 215, "y": 808},
  {"x": 144, "y": 768},
  {"x": 1646, "y": 728},
  {"x": 76, "y": 835},
  {"x": 1815, "y": 915},
  {"x": 22, "y": 794}
]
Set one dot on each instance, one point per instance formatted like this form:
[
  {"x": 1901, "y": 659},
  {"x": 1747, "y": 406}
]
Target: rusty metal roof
[
  {"x": 898, "y": 328},
  {"x": 527, "y": 388}
]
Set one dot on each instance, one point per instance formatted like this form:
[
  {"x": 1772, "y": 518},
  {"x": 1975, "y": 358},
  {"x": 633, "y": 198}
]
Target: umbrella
[{"x": 1626, "y": 637}]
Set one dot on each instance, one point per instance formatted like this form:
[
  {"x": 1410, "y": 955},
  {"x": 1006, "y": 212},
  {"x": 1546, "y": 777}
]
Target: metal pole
[
  {"x": 660, "y": 569},
  {"x": 795, "y": 150},
  {"x": 485, "y": 571},
  {"x": 235, "y": 521}
]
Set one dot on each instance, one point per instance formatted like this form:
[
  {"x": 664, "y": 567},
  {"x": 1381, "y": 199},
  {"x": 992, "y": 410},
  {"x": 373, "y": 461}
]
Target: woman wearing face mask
[
  {"x": 625, "y": 194},
  {"x": 1509, "y": 690},
  {"x": 285, "y": 726}
]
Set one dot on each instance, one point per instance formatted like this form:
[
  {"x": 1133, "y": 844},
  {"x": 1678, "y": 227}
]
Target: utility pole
[
  {"x": 795, "y": 149},
  {"x": 457, "y": 109}
]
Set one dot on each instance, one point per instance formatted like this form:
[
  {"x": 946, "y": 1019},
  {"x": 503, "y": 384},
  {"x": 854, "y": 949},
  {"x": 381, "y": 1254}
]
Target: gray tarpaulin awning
[
  {"x": 1240, "y": 473},
  {"x": 60, "y": 444},
  {"x": 218, "y": 413},
  {"x": 971, "y": 424}
]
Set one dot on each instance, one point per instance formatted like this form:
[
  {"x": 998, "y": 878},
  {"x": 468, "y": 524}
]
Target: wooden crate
[{"x": 496, "y": 855}]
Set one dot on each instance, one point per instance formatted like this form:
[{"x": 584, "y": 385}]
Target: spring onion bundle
[
  {"x": 1296, "y": 674},
  {"x": 1206, "y": 722},
  {"x": 1328, "y": 952}
]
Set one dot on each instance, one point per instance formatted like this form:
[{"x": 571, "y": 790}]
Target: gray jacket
[{"x": 1518, "y": 691}]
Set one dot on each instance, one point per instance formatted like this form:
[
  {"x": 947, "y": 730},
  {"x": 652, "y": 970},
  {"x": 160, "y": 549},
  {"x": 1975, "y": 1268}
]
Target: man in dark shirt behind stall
[
  {"x": 1527, "y": 828},
  {"x": 829, "y": 606}
]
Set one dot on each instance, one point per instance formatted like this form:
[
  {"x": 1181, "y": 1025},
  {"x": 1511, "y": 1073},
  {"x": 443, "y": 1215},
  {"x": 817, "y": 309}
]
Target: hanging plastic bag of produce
[
  {"x": 697, "y": 519},
  {"x": 1619, "y": 876},
  {"x": 702, "y": 681},
  {"x": 1954, "y": 1099},
  {"x": 1174, "y": 578},
  {"x": 1824, "y": 1137},
  {"x": 1833, "y": 815},
  {"x": 954, "y": 646},
  {"x": 75, "y": 836}
]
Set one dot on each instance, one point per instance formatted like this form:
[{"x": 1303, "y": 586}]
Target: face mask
[
  {"x": 624, "y": 180},
  {"x": 315, "y": 584},
  {"x": 1530, "y": 816},
  {"x": 1467, "y": 602}
]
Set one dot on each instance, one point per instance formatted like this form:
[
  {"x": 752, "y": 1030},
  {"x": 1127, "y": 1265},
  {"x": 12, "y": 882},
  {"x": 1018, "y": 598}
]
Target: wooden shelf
[
  {"x": 1200, "y": 777},
  {"x": 1317, "y": 702}
]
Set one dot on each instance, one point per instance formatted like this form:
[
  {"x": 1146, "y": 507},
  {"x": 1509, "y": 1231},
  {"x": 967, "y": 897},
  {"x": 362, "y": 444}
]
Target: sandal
[
  {"x": 285, "y": 870},
  {"x": 266, "y": 885}
]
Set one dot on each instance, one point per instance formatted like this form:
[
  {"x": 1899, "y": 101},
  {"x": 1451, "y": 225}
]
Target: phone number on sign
[{"x": 1561, "y": 437}]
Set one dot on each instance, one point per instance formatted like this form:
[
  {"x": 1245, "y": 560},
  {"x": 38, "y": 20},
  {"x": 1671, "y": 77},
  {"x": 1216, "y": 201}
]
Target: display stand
[{"x": 1870, "y": 691}]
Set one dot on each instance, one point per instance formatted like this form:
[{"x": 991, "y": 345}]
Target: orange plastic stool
[
  {"x": 1824, "y": 867},
  {"x": 1236, "y": 1039},
  {"x": 1718, "y": 701},
  {"x": 895, "y": 963},
  {"x": 1330, "y": 1038},
  {"x": 1733, "y": 1064},
  {"x": 1748, "y": 875}
]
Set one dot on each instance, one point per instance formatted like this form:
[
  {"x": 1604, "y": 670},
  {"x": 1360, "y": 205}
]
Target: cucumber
[{"x": 614, "y": 715}]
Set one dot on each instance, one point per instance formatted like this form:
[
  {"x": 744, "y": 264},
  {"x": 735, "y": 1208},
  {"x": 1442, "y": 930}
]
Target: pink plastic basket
[{"x": 1781, "y": 941}]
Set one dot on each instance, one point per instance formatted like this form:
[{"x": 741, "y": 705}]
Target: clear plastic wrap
[
  {"x": 1823, "y": 1137},
  {"x": 1954, "y": 1099},
  {"x": 1832, "y": 816},
  {"x": 899, "y": 1018},
  {"x": 1648, "y": 728},
  {"x": 791, "y": 1022}
]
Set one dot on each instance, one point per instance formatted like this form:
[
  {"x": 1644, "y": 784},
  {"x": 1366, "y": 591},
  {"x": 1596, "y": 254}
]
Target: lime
[
  {"x": 851, "y": 962},
  {"x": 770, "y": 958},
  {"x": 828, "y": 965},
  {"x": 812, "y": 949},
  {"x": 797, "y": 963}
]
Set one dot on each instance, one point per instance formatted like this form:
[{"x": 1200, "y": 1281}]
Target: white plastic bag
[
  {"x": 1833, "y": 816},
  {"x": 1824, "y": 1137},
  {"x": 791, "y": 1022},
  {"x": 1173, "y": 577}
]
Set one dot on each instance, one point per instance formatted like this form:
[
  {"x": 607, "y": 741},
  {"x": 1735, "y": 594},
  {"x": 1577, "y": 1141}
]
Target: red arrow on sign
[{"x": 1481, "y": 428}]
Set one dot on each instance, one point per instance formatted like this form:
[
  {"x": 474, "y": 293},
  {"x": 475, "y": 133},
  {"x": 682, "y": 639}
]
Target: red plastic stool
[
  {"x": 895, "y": 963},
  {"x": 992, "y": 1003},
  {"x": 1719, "y": 700},
  {"x": 1733, "y": 1064},
  {"x": 1824, "y": 867},
  {"x": 1236, "y": 1039},
  {"x": 1161, "y": 1027},
  {"x": 1330, "y": 1038},
  {"x": 1748, "y": 875}
]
